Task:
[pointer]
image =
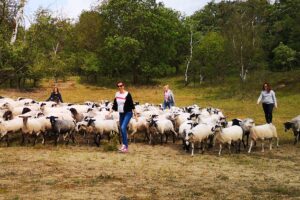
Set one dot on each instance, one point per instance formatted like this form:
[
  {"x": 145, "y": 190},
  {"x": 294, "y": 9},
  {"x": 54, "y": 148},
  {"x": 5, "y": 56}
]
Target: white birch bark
[
  {"x": 189, "y": 59},
  {"x": 18, "y": 19}
]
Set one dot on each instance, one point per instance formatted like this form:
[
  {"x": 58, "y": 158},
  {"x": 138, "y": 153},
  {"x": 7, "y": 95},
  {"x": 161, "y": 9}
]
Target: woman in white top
[
  {"x": 268, "y": 99},
  {"x": 123, "y": 104}
]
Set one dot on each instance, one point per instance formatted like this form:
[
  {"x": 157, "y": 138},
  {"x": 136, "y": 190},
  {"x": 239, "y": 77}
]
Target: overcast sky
[{"x": 73, "y": 8}]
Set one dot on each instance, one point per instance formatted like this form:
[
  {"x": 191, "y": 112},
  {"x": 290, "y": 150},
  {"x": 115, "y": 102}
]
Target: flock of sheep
[{"x": 206, "y": 127}]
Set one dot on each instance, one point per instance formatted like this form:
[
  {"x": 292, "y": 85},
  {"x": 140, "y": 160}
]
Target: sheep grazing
[
  {"x": 228, "y": 135},
  {"x": 101, "y": 127},
  {"x": 294, "y": 124},
  {"x": 62, "y": 127},
  {"x": 32, "y": 127},
  {"x": 161, "y": 127},
  {"x": 262, "y": 132},
  {"x": 139, "y": 125},
  {"x": 8, "y": 115},
  {"x": 11, "y": 126},
  {"x": 199, "y": 134},
  {"x": 78, "y": 117}
]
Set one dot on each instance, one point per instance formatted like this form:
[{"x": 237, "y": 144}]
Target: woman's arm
[
  {"x": 259, "y": 98},
  {"x": 60, "y": 98},
  {"x": 274, "y": 98}
]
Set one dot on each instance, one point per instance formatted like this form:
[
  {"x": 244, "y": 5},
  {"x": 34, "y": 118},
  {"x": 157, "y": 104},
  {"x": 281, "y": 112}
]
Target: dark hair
[
  {"x": 268, "y": 87},
  {"x": 54, "y": 89},
  {"x": 120, "y": 83}
]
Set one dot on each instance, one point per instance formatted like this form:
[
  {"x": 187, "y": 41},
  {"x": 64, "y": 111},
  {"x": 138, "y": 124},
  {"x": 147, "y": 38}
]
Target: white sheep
[
  {"x": 10, "y": 126},
  {"x": 139, "y": 125},
  {"x": 199, "y": 134},
  {"x": 228, "y": 135},
  {"x": 262, "y": 132},
  {"x": 162, "y": 127},
  {"x": 32, "y": 127},
  {"x": 102, "y": 127}
]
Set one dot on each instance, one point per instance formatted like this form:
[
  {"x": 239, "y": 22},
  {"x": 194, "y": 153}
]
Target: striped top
[{"x": 121, "y": 98}]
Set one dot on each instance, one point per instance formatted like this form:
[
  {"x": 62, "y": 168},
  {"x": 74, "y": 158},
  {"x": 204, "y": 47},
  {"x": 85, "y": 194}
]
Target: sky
[{"x": 73, "y": 8}]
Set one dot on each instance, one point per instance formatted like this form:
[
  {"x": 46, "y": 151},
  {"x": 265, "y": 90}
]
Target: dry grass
[{"x": 153, "y": 172}]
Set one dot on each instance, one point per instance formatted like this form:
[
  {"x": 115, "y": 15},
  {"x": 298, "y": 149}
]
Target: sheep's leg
[
  {"x": 270, "y": 143},
  {"x": 56, "y": 139},
  {"x": 23, "y": 139},
  {"x": 167, "y": 137},
  {"x": 192, "y": 149},
  {"x": 297, "y": 137},
  {"x": 7, "y": 140},
  {"x": 239, "y": 146},
  {"x": 43, "y": 137},
  {"x": 150, "y": 139},
  {"x": 262, "y": 145},
  {"x": 65, "y": 137},
  {"x": 174, "y": 136},
  {"x": 243, "y": 143},
  {"x": 146, "y": 138},
  {"x": 34, "y": 139},
  {"x": 229, "y": 147},
  {"x": 73, "y": 138},
  {"x": 247, "y": 140},
  {"x": 97, "y": 139},
  {"x": 251, "y": 144},
  {"x": 220, "y": 145},
  {"x": 203, "y": 146},
  {"x": 277, "y": 141},
  {"x": 161, "y": 139},
  {"x": 132, "y": 136},
  {"x": 200, "y": 146}
]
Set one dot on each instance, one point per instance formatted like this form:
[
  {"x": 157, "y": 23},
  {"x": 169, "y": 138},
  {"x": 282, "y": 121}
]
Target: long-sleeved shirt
[
  {"x": 267, "y": 97},
  {"x": 123, "y": 103},
  {"x": 55, "y": 97},
  {"x": 169, "y": 96}
]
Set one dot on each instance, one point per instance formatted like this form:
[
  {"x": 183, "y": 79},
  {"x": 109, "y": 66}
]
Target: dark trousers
[
  {"x": 124, "y": 120},
  {"x": 268, "y": 109}
]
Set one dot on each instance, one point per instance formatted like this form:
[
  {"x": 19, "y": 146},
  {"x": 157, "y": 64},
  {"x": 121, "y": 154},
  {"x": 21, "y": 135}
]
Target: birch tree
[{"x": 19, "y": 20}]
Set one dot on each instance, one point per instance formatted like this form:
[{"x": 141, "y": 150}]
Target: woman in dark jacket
[
  {"x": 123, "y": 104},
  {"x": 55, "y": 96}
]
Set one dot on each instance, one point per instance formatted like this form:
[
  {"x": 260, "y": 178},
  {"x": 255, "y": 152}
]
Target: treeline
[{"x": 139, "y": 40}]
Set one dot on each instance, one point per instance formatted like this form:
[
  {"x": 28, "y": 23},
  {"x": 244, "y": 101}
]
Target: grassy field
[{"x": 160, "y": 171}]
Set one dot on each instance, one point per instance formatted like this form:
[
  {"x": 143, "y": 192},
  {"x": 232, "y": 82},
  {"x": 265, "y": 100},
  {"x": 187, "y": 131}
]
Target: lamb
[
  {"x": 228, "y": 135},
  {"x": 294, "y": 124},
  {"x": 266, "y": 131},
  {"x": 62, "y": 127},
  {"x": 200, "y": 134}
]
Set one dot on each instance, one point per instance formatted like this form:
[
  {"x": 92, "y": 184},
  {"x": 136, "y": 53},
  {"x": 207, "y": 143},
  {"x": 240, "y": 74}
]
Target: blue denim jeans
[
  {"x": 124, "y": 120},
  {"x": 167, "y": 105}
]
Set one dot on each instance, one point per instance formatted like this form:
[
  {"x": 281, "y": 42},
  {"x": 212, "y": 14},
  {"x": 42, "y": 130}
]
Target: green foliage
[
  {"x": 211, "y": 52},
  {"x": 284, "y": 57},
  {"x": 142, "y": 40}
]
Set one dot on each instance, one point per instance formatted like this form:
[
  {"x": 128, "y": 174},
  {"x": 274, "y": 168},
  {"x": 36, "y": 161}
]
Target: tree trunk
[
  {"x": 18, "y": 19},
  {"x": 190, "y": 58}
]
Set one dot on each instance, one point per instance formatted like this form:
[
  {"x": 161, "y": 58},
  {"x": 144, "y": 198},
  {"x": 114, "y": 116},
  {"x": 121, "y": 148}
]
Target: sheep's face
[
  {"x": 287, "y": 126},
  {"x": 188, "y": 137}
]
